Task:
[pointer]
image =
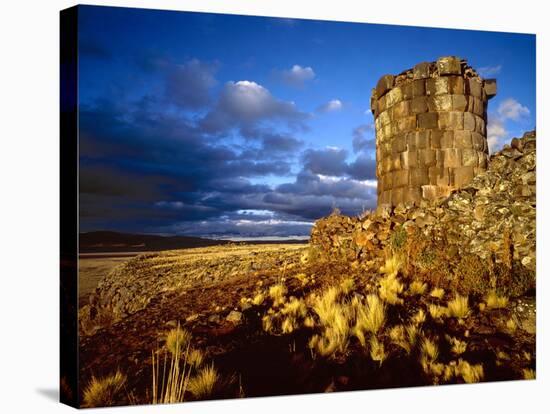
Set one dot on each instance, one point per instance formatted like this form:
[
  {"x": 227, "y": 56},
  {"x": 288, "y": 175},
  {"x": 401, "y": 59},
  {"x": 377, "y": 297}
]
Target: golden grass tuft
[
  {"x": 417, "y": 288},
  {"x": 104, "y": 392},
  {"x": 511, "y": 325},
  {"x": 436, "y": 311},
  {"x": 419, "y": 317},
  {"x": 437, "y": 293},
  {"x": 430, "y": 349},
  {"x": 195, "y": 358},
  {"x": 203, "y": 383},
  {"x": 494, "y": 301},
  {"x": 469, "y": 373},
  {"x": 377, "y": 352},
  {"x": 258, "y": 299},
  {"x": 347, "y": 285},
  {"x": 458, "y": 307},
  {"x": 277, "y": 293},
  {"x": 458, "y": 347},
  {"x": 529, "y": 374},
  {"x": 392, "y": 265},
  {"x": 369, "y": 318},
  {"x": 404, "y": 337},
  {"x": 177, "y": 339},
  {"x": 389, "y": 289}
]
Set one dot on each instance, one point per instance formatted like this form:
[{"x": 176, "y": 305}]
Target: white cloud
[
  {"x": 487, "y": 71},
  {"x": 297, "y": 75},
  {"x": 497, "y": 131},
  {"x": 512, "y": 109},
  {"x": 496, "y": 134},
  {"x": 331, "y": 106}
]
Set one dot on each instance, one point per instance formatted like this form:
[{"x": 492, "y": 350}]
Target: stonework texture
[{"x": 431, "y": 130}]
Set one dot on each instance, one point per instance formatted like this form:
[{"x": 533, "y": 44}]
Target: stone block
[
  {"x": 384, "y": 118},
  {"x": 461, "y": 176},
  {"x": 478, "y": 108},
  {"x": 407, "y": 91},
  {"x": 418, "y": 177},
  {"x": 373, "y": 103},
  {"x": 387, "y": 181},
  {"x": 419, "y": 105},
  {"x": 447, "y": 139},
  {"x": 463, "y": 139},
  {"x": 427, "y": 120},
  {"x": 412, "y": 195},
  {"x": 451, "y": 120},
  {"x": 456, "y": 83},
  {"x": 469, "y": 121},
  {"x": 437, "y": 86},
  {"x": 435, "y": 138},
  {"x": 394, "y": 96},
  {"x": 408, "y": 159},
  {"x": 388, "y": 131},
  {"x": 427, "y": 157},
  {"x": 439, "y": 175},
  {"x": 440, "y": 103},
  {"x": 399, "y": 144},
  {"x": 480, "y": 126},
  {"x": 385, "y": 83},
  {"x": 387, "y": 165},
  {"x": 406, "y": 124},
  {"x": 452, "y": 157},
  {"x": 473, "y": 88},
  {"x": 381, "y": 104},
  {"x": 470, "y": 158},
  {"x": 397, "y": 196},
  {"x": 384, "y": 198},
  {"x": 478, "y": 141},
  {"x": 402, "y": 109},
  {"x": 490, "y": 87},
  {"x": 433, "y": 192},
  {"x": 396, "y": 163},
  {"x": 422, "y": 139},
  {"x": 449, "y": 65},
  {"x": 421, "y": 70},
  {"x": 460, "y": 103},
  {"x": 482, "y": 160},
  {"x": 418, "y": 88}
]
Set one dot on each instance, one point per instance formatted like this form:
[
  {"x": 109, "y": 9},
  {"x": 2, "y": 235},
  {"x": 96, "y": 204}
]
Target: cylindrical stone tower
[{"x": 431, "y": 133}]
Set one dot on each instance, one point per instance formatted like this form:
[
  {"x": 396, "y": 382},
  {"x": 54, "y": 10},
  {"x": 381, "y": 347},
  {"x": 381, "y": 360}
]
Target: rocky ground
[{"x": 433, "y": 294}]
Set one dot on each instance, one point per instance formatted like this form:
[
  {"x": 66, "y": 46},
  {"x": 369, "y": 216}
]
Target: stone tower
[{"x": 431, "y": 130}]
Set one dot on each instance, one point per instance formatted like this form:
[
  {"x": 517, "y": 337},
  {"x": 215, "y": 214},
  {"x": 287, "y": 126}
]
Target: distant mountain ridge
[{"x": 112, "y": 241}]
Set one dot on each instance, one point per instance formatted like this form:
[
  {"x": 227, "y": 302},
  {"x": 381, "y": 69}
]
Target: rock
[{"x": 234, "y": 317}]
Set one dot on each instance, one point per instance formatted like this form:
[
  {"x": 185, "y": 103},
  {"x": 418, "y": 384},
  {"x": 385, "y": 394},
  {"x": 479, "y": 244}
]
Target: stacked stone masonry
[{"x": 431, "y": 130}]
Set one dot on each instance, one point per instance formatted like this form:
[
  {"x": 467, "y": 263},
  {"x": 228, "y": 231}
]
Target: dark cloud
[
  {"x": 360, "y": 141},
  {"x": 328, "y": 161},
  {"x": 363, "y": 168},
  {"x": 188, "y": 85}
]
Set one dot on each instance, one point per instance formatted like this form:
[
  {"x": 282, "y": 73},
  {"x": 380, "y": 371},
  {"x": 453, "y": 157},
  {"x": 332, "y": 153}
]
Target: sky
[{"x": 230, "y": 126}]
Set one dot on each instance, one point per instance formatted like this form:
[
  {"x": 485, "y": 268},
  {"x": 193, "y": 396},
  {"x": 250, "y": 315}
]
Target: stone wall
[{"x": 431, "y": 132}]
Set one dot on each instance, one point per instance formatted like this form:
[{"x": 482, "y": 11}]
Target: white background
[{"x": 29, "y": 194}]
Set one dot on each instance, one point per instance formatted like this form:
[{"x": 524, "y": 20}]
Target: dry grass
[
  {"x": 377, "y": 352},
  {"x": 258, "y": 299},
  {"x": 469, "y": 373},
  {"x": 104, "y": 392},
  {"x": 511, "y": 325},
  {"x": 369, "y": 318},
  {"x": 404, "y": 337},
  {"x": 494, "y": 301},
  {"x": 202, "y": 385},
  {"x": 171, "y": 380},
  {"x": 419, "y": 317},
  {"x": 458, "y": 307},
  {"x": 389, "y": 289},
  {"x": 437, "y": 293},
  {"x": 458, "y": 347},
  {"x": 529, "y": 374},
  {"x": 277, "y": 294},
  {"x": 429, "y": 349},
  {"x": 177, "y": 339},
  {"x": 436, "y": 311},
  {"x": 417, "y": 288},
  {"x": 347, "y": 285}
]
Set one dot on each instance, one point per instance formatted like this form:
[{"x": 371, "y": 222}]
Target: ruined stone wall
[{"x": 431, "y": 133}]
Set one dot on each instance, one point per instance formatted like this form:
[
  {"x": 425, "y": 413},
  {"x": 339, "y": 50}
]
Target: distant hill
[{"x": 111, "y": 241}]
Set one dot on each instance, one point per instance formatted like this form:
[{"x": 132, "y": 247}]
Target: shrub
[
  {"x": 469, "y": 373},
  {"x": 436, "y": 311},
  {"x": 104, "y": 392},
  {"x": 529, "y": 374},
  {"x": 389, "y": 289},
  {"x": 458, "y": 347}
]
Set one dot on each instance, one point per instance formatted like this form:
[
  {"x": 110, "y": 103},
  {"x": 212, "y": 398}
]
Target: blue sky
[{"x": 239, "y": 126}]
